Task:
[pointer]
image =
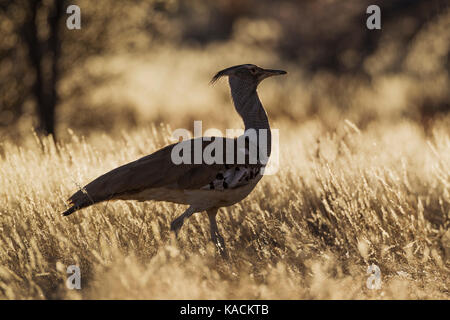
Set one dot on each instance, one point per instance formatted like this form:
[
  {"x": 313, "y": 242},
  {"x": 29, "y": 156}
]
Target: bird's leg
[
  {"x": 216, "y": 238},
  {"x": 178, "y": 222}
]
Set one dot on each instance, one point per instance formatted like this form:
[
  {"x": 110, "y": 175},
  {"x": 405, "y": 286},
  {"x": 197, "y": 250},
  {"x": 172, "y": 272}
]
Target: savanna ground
[
  {"x": 339, "y": 203},
  {"x": 363, "y": 178}
]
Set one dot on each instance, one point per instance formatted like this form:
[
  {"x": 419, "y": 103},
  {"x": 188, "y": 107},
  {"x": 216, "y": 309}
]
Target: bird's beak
[{"x": 271, "y": 72}]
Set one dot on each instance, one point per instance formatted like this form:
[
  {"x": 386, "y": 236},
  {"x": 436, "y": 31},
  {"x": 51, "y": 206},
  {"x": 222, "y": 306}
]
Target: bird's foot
[
  {"x": 223, "y": 251},
  {"x": 220, "y": 245}
]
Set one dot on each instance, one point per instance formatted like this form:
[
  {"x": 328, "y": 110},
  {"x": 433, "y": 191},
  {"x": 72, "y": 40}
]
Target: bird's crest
[{"x": 226, "y": 72}]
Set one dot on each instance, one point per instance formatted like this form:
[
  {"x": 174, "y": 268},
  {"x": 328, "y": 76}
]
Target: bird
[{"x": 202, "y": 185}]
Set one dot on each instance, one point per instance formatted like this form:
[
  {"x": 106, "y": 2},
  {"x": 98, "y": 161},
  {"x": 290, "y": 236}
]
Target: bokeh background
[{"x": 139, "y": 62}]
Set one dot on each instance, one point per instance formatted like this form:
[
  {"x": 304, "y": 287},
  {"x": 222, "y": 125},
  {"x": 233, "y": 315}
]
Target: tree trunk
[{"x": 45, "y": 85}]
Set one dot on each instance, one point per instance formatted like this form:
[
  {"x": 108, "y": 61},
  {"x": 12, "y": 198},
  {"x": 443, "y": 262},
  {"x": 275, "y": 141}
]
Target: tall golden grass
[{"x": 340, "y": 202}]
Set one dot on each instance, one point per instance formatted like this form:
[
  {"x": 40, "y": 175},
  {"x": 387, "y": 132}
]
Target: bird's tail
[
  {"x": 70, "y": 211},
  {"x": 77, "y": 201}
]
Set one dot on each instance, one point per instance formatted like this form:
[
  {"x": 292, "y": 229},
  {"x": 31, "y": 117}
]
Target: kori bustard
[{"x": 202, "y": 185}]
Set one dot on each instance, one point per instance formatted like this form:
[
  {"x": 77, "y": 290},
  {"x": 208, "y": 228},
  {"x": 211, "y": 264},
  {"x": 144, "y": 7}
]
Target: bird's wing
[{"x": 154, "y": 171}]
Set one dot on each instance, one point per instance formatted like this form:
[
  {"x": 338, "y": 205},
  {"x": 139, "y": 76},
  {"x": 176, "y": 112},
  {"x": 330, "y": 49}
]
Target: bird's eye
[{"x": 253, "y": 70}]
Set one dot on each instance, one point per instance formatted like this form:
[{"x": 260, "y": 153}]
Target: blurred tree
[
  {"x": 37, "y": 50},
  {"x": 43, "y": 48}
]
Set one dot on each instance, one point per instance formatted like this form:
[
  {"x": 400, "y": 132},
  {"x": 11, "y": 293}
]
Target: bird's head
[{"x": 248, "y": 73}]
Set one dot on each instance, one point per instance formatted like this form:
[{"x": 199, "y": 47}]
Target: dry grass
[{"x": 340, "y": 201}]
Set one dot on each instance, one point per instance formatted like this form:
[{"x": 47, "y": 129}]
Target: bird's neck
[
  {"x": 250, "y": 108},
  {"x": 248, "y": 105}
]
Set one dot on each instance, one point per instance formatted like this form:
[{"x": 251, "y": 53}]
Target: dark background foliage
[{"x": 316, "y": 37}]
